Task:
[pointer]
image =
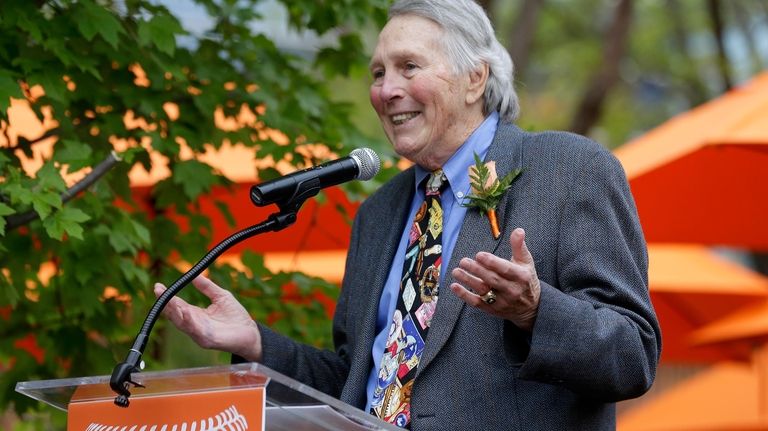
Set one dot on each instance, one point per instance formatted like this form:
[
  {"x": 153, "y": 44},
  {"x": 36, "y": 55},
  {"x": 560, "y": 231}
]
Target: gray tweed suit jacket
[{"x": 596, "y": 339}]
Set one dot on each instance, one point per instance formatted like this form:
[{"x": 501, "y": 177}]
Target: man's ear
[{"x": 477, "y": 79}]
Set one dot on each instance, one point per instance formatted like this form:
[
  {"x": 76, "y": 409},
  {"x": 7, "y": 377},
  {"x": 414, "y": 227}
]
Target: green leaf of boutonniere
[{"x": 488, "y": 189}]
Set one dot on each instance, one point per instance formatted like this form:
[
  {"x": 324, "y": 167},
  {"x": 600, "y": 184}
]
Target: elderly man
[{"x": 443, "y": 323}]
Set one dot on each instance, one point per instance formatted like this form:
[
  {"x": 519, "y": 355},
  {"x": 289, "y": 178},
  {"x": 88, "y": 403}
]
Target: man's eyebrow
[{"x": 398, "y": 56}]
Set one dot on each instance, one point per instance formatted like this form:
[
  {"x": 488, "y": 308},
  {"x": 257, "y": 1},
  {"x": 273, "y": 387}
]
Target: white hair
[{"x": 469, "y": 42}]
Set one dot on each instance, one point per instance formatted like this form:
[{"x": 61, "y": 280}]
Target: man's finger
[
  {"x": 471, "y": 281},
  {"x": 160, "y": 288},
  {"x": 173, "y": 309},
  {"x": 465, "y": 295},
  {"x": 494, "y": 269},
  {"x": 208, "y": 287},
  {"x": 520, "y": 251}
]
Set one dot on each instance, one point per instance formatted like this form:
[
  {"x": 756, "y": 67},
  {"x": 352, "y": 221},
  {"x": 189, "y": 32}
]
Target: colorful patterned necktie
[{"x": 415, "y": 307}]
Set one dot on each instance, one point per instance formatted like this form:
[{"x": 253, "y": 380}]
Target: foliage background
[
  {"x": 75, "y": 268},
  {"x": 106, "y": 249}
]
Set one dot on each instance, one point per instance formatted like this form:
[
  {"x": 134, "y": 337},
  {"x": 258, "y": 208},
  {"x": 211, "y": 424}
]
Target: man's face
[{"x": 426, "y": 110}]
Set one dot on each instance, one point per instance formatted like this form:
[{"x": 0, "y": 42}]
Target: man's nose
[{"x": 391, "y": 88}]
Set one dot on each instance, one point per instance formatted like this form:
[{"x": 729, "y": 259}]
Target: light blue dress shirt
[{"x": 456, "y": 170}]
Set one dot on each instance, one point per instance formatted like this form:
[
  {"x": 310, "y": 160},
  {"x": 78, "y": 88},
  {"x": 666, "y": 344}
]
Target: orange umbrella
[
  {"x": 722, "y": 398},
  {"x": 701, "y": 176},
  {"x": 745, "y": 326},
  {"x": 690, "y": 287}
]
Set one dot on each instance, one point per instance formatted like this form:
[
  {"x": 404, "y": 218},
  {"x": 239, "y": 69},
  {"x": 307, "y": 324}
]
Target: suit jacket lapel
[{"x": 474, "y": 236}]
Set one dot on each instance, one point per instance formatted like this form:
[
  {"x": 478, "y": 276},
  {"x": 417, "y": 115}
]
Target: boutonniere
[{"x": 487, "y": 190}]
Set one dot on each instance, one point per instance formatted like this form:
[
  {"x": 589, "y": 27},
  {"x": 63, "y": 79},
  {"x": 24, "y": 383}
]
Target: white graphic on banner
[{"x": 228, "y": 420}]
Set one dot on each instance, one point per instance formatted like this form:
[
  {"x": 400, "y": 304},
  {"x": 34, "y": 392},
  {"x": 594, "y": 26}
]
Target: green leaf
[
  {"x": 99, "y": 20},
  {"x": 141, "y": 232},
  {"x": 9, "y": 293},
  {"x": 59, "y": 48},
  {"x": 4, "y": 211},
  {"x": 127, "y": 235},
  {"x": 129, "y": 155},
  {"x": 30, "y": 27},
  {"x": 341, "y": 60},
  {"x": 161, "y": 30},
  {"x": 509, "y": 178},
  {"x": 167, "y": 194},
  {"x": 53, "y": 84},
  {"x": 87, "y": 28},
  {"x": 45, "y": 202},
  {"x": 254, "y": 262},
  {"x": 8, "y": 88},
  {"x": 50, "y": 178},
  {"x": 133, "y": 272},
  {"x": 121, "y": 242},
  {"x": 224, "y": 210},
  {"x": 194, "y": 177},
  {"x": 19, "y": 193},
  {"x": 73, "y": 153},
  {"x": 67, "y": 220}
]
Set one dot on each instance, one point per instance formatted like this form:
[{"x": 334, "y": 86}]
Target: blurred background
[{"x": 132, "y": 130}]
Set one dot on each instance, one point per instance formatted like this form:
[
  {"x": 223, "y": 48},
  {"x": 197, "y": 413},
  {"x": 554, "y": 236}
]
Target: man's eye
[
  {"x": 410, "y": 66},
  {"x": 377, "y": 74}
]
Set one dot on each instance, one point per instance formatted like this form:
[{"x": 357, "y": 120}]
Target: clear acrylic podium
[{"x": 243, "y": 397}]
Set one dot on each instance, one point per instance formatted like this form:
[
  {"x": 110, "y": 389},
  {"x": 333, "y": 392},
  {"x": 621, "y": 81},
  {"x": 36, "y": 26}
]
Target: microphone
[{"x": 361, "y": 164}]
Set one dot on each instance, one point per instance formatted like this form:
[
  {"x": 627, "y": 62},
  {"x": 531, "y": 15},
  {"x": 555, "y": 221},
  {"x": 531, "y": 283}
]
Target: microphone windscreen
[{"x": 368, "y": 163}]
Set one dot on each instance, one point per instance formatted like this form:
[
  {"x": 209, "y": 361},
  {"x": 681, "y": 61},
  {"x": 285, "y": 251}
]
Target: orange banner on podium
[
  {"x": 235, "y": 409},
  {"x": 229, "y": 402}
]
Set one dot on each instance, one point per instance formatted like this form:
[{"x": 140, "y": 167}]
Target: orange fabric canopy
[
  {"x": 690, "y": 287},
  {"x": 701, "y": 176},
  {"x": 746, "y": 326},
  {"x": 722, "y": 398}
]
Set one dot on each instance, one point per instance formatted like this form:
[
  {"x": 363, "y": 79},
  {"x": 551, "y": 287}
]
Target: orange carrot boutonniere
[{"x": 487, "y": 190}]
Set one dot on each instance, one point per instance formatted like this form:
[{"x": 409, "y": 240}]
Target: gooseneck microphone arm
[
  {"x": 121, "y": 375},
  {"x": 289, "y": 193}
]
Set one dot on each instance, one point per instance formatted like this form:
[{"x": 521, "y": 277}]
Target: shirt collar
[{"x": 456, "y": 168}]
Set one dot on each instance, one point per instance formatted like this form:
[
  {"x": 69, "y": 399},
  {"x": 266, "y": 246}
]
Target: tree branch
[
  {"x": 51, "y": 133},
  {"x": 522, "y": 35},
  {"x": 692, "y": 85},
  {"x": 17, "y": 220},
  {"x": 590, "y": 108},
  {"x": 716, "y": 16},
  {"x": 25, "y": 144}
]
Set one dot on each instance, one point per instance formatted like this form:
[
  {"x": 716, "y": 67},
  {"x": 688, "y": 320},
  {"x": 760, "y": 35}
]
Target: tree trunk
[
  {"x": 692, "y": 85},
  {"x": 590, "y": 108},
  {"x": 522, "y": 35},
  {"x": 716, "y": 17}
]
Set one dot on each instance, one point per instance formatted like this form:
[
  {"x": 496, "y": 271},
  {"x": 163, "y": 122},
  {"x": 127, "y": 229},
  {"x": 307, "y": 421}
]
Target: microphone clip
[
  {"x": 121, "y": 381},
  {"x": 302, "y": 191}
]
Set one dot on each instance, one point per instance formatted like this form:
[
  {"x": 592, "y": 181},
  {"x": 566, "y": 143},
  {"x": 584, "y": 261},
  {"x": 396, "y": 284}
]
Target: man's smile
[{"x": 401, "y": 118}]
